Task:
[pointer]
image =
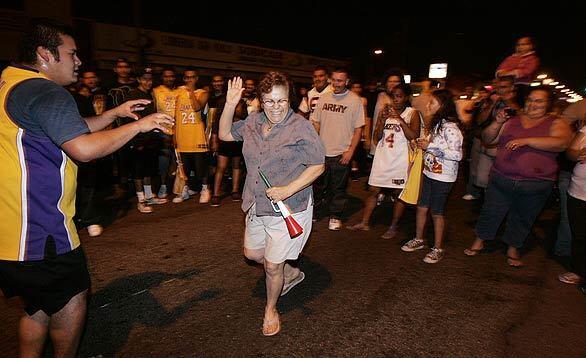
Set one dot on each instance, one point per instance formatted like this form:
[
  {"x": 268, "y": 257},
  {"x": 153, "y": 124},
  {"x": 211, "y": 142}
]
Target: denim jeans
[
  {"x": 520, "y": 201},
  {"x": 563, "y": 245},
  {"x": 330, "y": 188},
  {"x": 576, "y": 210}
]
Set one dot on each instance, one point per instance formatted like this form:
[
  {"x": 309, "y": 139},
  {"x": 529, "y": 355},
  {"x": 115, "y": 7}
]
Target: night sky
[{"x": 472, "y": 37}]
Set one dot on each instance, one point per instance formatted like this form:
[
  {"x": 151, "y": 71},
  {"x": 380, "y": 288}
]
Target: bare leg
[
  {"x": 220, "y": 169},
  {"x": 370, "y": 204},
  {"x": 236, "y": 174},
  {"x": 32, "y": 332},
  {"x": 274, "y": 281},
  {"x": 138, "y": 185},
  {"x": 439, "y": 224},
  {"x": 398, "y": 210},
  {"x": 420, "y": 221},
  {"x": 66, "y": 326}
]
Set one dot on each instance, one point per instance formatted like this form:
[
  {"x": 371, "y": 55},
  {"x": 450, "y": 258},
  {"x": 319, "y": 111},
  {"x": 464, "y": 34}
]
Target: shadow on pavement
[
  {"x": 317, "y": 280},
  {"x": 115, "y": 309}
]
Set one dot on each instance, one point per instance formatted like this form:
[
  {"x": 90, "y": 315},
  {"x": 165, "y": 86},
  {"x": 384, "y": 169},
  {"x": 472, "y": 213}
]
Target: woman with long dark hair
[{"x": 443, "y": 151}]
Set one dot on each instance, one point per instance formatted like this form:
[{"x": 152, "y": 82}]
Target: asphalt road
[{"x": 174, "y": 283}]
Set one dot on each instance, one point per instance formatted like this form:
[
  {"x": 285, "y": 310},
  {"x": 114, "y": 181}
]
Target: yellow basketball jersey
[
  {"x": 37, "y": 182},
  {"x": 165, "y": 99},
  {"x": 189, "y": 126}
]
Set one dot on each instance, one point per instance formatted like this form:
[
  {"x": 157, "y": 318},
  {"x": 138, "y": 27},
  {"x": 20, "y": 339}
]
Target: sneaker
[
  {"x": 162, "y": 194},
  {"x": 192, "y": 192},
  {"x": 391, "y": 232},
  {"x": 236, "y": 196},
  {"x": 205, "y": 195},
  {"x": 358, "y": 227},
  {"x": 180, "y": 199},
  {"x": 95, "y": 230},
  {"x": 215, "y": 201},
  {"x": 144, "y": 208},
  {"x": 380, "y": 198},
  {"x": 570, "y": 278},
  {"x": 434, "y": 256},
  {"x": 335, "y": 224},
  {"x": 156, "y": 201},
  {"x": 413, "y": 245},
  {"x": 469, "y": 197}
]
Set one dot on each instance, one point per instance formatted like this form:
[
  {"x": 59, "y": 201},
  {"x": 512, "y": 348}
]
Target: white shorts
[{"x": 270, "y": 233}]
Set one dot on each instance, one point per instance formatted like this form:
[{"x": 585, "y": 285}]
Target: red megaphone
[{"x": 293, "y": 227}]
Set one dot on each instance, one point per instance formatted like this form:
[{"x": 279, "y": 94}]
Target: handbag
[
  {"x": 410, "y": 194},
  {"x": 180, "y": 177}
]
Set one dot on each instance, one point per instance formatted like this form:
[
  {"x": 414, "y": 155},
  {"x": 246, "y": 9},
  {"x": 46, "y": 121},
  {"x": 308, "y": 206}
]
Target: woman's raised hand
[{"x": 235, "y": 90}]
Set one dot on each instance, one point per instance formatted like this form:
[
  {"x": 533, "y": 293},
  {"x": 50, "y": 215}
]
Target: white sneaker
[
  {"x": 156, "y": 201},
  {"x": 162, "y": 194},
  {"x": 180, "y": 199},
  {"x": 144, "y": 208},
  {"x": 192, "y": 192},
  {"x": 204, "y": 196},
  {"x": 434, "y": 256},
  {"x": 469, "y": 197},
  {"x": 335, "y": 224},
  {"x": 95, "y": 230},
  {"x": 413, "y": 245}
]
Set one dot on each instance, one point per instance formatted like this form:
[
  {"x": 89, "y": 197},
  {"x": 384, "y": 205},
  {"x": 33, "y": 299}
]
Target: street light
[
  {"x": 541, "y": 76},
  {"x": 560, "y": 86},
  {"x": 378, "y": 52},
  {"x": 547, "y": 81}
]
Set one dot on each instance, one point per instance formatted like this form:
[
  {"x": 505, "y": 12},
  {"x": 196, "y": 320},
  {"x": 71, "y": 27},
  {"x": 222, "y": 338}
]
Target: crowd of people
[{"x": 183, "y": 137}]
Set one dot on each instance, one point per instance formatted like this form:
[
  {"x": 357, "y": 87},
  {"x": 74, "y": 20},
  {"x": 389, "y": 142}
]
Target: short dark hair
[
  {"x": 393, "y": 72},
  {"x": 320, "y": 68},
  {"x": 41, "y": 32},
  {"x": 550, "y": 95},
  {"x": 405, "y": 88},
  {"x": 167, "y": 69},
  {"x": 341, "y": 70}
]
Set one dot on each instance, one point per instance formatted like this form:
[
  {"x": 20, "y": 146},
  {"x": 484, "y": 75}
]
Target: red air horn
[{"x": 292, "y": 225}]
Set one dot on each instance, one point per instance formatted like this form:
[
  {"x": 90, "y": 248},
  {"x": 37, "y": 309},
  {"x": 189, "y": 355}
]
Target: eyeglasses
[{"x": 271, "y": 103}]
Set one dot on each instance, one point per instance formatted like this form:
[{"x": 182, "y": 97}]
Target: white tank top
[{"x": 390, "y": 165}]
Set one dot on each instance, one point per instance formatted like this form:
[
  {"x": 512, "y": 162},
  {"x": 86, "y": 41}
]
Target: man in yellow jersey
[
  {"x": 41, "y": 134},
  {"x": 165, "y": 97},
  {"x": 190, "y": 137}
]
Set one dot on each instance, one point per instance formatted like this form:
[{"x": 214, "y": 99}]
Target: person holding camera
[{"x": 524, "y": 171}]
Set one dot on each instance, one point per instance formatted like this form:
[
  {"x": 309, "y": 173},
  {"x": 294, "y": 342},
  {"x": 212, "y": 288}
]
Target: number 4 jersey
[{"x": 189, "y": 126}]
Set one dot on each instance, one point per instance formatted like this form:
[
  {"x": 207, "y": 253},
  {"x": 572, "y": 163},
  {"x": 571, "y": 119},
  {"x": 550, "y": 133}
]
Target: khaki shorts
[{"x": 270, "y": 233}]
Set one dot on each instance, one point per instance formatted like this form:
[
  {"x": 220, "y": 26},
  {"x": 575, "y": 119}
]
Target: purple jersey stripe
[{"x": 43, "y": 160}]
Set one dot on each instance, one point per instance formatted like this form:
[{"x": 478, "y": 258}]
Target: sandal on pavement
[
  {"x": 514, "y": 262},
  {"x": 472, "y": 252},
  {"x": 570, "y": 278},
  {"x": 288, "y": 286},
  {"x": 358, "y": 227},
  {"x": 270, "y": 328}
]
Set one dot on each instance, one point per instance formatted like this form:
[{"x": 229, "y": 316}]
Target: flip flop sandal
[
  {"x": 295, "y": 282},
  {"x": 514, "y": 262},
  {"x": 267, "y": 333},
  {"x": 472, "y": 252}
]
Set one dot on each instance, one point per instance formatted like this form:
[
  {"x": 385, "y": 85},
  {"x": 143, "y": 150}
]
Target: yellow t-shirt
[
  {"x": 165, "y": 99},
  {"x": 189, "y": 126}
]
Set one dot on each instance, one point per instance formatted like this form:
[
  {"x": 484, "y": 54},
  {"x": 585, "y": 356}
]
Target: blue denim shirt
[{"x": 290, "y": 147}]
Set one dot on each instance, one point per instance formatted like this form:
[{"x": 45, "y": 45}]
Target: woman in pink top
[
  {"x": 524, "y": 171},
  {"x": 523, "y": 64}
]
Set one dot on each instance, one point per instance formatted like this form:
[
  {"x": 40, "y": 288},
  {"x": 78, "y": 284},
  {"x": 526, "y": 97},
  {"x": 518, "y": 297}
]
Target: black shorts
[
  {"x": 145, "y": 163},
  {"x": 46, "y": 285},
  {"x": 230, "y": 149}
]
